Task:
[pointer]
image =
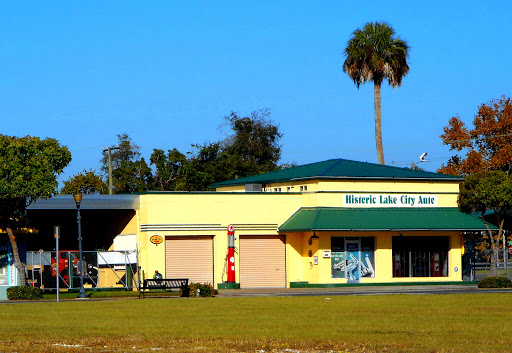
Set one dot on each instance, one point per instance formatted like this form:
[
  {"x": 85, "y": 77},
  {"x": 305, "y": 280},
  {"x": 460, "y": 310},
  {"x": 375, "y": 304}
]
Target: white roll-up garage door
[
  {"x": 262, "y": 261},
  {"x": 189, "y": 257}
]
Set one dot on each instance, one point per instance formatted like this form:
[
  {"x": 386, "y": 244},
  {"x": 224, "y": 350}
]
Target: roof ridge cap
[{"x": 337, "y": 161}]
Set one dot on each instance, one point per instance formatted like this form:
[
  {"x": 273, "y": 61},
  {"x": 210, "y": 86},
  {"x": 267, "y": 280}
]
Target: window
[
  {"x": 352, "y": 257},
  {"x": 420, "y": 256}
]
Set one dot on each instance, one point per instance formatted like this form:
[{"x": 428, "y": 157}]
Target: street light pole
[
  {"x": 109, "y": 150},
  {"x": 78, "y": 198}
]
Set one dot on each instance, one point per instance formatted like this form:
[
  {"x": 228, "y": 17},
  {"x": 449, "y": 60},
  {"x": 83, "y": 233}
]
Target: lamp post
[{"x": 78, "y": 198}]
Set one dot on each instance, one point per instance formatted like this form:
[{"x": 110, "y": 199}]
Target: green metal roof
[
  {"x": 338, "y": 169},
  {"x": 373, "y": 219}
]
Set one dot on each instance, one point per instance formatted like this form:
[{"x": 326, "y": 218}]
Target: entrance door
[{"x": 353, "y": 260}]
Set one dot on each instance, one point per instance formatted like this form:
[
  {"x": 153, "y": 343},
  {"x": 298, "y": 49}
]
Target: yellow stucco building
[{"x": 322, "y": 224}]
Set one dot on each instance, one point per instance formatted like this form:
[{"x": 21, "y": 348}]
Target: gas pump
[{"x": 231, "y": 254}]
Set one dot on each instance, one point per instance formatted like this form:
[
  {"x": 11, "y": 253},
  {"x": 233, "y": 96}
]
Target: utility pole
[{"x": 109, "y": 150}]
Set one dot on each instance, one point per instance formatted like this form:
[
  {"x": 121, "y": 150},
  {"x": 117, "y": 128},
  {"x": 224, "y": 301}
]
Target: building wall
[
  {"x": 301, "y": 267},
  {"x": 349, "y": 185},
  {"x": 194, "y": 214}
]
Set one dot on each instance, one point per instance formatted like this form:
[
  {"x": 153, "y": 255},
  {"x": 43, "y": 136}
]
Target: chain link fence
[
  {"x": 477, "y": 263},
  {"x": 100, "y": 269}
]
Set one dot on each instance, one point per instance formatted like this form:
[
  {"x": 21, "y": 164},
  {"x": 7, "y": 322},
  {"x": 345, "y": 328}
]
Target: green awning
[{"x": 375, "y": 219}]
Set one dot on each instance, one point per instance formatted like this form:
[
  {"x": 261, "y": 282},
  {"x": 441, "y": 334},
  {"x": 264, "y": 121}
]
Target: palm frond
[{"x": 375, "y": 54}]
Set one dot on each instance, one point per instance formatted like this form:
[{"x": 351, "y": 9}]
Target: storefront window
[
  {"x": 420, "y": 256},
  {"x": 352, "y": 257}
]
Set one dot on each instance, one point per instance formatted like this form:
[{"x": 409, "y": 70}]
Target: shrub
[
  {"x": 24, "y": 293},
  {"x": 495, "y": 282},
  {"x": 205, "y": 289}
]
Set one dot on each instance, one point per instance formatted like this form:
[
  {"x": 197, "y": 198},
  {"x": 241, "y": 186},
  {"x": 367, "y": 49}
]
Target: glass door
[{"x": 353, "y": 259}]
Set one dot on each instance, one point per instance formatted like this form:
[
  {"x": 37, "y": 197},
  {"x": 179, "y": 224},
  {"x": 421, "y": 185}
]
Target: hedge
[
  {"x": 495, "y": 282},
  {"x": 24, "y": 293},
  {"x": 205, "y": 289}
]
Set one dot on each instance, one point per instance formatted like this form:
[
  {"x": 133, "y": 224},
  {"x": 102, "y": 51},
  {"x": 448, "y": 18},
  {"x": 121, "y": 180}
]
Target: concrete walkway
[{"x": 363, "y": 290}]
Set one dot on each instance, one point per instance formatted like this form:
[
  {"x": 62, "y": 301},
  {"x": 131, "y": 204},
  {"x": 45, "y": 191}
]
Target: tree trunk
[
  {"x": 378, "y": 122},
  {"x": 494, "y": 246},
  {"x": 17, "y": 263},
  {"x": 494, "y": 261}
]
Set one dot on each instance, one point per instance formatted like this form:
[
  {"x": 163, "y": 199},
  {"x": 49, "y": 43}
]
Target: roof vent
[{"x": 253, "y": 187}]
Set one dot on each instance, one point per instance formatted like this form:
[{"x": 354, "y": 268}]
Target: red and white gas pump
[{"x": 231, "y": 254}]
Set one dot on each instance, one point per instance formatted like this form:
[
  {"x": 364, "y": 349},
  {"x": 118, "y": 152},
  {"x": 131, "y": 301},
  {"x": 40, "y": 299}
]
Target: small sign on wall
[
  {"x": 327, "y": 254},
  {"x": 156, "y": 239}
]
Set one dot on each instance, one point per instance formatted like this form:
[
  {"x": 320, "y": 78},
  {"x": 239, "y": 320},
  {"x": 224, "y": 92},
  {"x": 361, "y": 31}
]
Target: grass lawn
[
  {"x": 394, "y": 323},
  {"x": 100, "y": 294}
]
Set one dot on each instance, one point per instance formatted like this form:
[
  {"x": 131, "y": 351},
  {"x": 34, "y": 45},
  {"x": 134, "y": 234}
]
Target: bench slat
[{"x": 164, "y": 283}]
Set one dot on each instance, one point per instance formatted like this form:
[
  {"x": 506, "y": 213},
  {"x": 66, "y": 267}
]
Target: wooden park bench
[{"x": 163, "y": 285}]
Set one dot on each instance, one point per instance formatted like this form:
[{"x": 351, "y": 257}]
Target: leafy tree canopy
[
  {"x": 251, "y": 148},
  {"x": 167, "y": 168},
  {"x": 29, "y": 168},
  {"x": 125, "y": 151},
  {"x": 488, "y": 190},
  {"x": 132, "y": 176},
  {"x": 254, "y": 143},
  {"x": 487, "y": 146},
  {"x": 130, "y": 173},
  {"x": 86, "y": 182}
]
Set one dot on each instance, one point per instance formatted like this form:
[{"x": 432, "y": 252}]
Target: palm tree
[{"x": 375, "y": 54}]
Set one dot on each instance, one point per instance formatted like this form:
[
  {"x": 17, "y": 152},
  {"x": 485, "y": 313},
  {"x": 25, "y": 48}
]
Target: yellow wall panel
[{"x": 209, "y": 214}]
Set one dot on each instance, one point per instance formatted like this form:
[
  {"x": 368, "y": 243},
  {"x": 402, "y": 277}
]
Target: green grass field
[{"x": 394, "y": 323}]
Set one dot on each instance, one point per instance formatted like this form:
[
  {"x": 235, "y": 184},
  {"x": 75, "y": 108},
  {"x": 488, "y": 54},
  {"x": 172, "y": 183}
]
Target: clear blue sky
[{"x": 167, "y": 73}]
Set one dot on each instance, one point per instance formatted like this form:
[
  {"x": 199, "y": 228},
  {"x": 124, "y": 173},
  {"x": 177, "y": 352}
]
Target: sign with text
[
  {"x": 156, "y": 239},
  {"x": 389, "y": 200}
]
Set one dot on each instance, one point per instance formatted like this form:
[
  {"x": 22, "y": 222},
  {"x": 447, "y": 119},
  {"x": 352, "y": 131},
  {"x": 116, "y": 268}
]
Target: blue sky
[{"x": 167, "y": 73}]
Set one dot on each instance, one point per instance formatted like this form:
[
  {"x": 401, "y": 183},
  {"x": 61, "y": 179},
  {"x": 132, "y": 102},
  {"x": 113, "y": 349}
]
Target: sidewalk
[{"x": 366, "y": 290}]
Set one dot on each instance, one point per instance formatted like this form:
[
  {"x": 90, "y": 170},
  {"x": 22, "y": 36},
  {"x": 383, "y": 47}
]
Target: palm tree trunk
[
  {"x": 17, "y": 262},
  {"x": 378, "y": 122}
]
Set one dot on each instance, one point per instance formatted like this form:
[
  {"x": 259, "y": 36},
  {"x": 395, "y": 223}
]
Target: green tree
[
  {"x": 130, "y": 172},
  {"x": 168, "y": 168},
  {"x": 28, "y": 170},
  {"x": 488, "y": 190},
  {"x": 254, "y": 145},
  {"x": 194, "y": 179},
  {"x": 208, "y": 165},
  {"x": 86, "y": 182},
  {"x": 132, "y": 176},
  {"x": 125, "y": 150},
  {"x": 375, "y": 54}
]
